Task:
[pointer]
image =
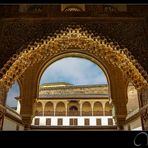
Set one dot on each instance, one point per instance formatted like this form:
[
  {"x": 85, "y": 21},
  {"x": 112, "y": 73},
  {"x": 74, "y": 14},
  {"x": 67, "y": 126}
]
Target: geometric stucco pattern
[
  {"x": 17, "y": 34},
  {"x": 78, "y": 37}
]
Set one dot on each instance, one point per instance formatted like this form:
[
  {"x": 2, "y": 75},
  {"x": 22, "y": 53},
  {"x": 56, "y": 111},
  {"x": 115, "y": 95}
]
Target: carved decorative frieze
[
  {"x": 17, "y": 34},
  {"x": 79, "y": 38}
]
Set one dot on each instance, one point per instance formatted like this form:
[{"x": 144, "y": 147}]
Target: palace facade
[{"x": 66, "y": 105}]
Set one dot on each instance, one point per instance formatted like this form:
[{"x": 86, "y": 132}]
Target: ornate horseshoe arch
[{"x": 74, "y": 38}]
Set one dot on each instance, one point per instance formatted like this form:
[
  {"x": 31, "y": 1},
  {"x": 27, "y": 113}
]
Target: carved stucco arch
[{"x": 65, "y": 41}]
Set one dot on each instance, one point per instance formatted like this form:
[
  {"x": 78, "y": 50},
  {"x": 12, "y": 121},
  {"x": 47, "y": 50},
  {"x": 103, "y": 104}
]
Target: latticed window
[
  {"x": 37, "y": 121},
  {"x": 98, "y": 121},
  {"x": 86, "y": 122},
  {"x": 74, "y": 122},
  {"x": 48, "y": 121},
  {"x": 110, "y": 121},
  {"x": 71, "y": 121},
  {"x": 60, "y": 121}
]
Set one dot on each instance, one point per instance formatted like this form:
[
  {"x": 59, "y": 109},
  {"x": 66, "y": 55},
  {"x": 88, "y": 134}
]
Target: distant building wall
[{"x": 11, "y": 125}]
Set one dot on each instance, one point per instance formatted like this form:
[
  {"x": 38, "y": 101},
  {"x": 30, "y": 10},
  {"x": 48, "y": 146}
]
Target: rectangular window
[
  {"x": 60, "y": 121},
  {"x": 86, "y": 122},
  {"x": 75, "y": 122},
  {"x": 98, "y": 121},
  {"x": 110, "y": 121},
  {"x": 71, "y": 121},
  {"x": 48, "y": 121},
  {"x": 36, "y": 122}
]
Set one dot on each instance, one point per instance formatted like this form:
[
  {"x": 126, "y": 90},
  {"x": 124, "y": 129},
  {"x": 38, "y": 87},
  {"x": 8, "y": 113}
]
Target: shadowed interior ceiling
[{"x": 121, "y": 24}]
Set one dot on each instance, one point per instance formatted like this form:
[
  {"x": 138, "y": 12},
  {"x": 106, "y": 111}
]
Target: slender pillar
[
  {"x": 43, "y": 112},
  {"x": 103, "y": 105},
  {"x": 92, "y": 108},
  {"x": 66, "y": 107},
  {"x": 54, "y": 108},
  {"x": 81, "y": 103}
]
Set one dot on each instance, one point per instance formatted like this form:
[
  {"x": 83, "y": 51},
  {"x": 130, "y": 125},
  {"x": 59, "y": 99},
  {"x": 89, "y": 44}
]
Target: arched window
[
  {"x": 108, "y": 109},
  {"x": 98, "y": 109},
  {"x": 60, "y": 109},
  {"x": 49, "y": 110},
  {"x": 73, "y": 111},
  {"x": 73, "y": 108},
  {"x": 86, "y": 109},
  {"x": 39, "y": 109},
  {"x": 13, "y": 96}
]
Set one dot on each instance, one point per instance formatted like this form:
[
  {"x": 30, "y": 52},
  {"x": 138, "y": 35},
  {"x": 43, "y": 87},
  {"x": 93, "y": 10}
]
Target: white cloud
[{"x": 77, "y": 71}]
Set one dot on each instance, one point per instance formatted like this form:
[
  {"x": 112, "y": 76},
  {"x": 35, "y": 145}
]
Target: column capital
[
  {"x": 27, "y": 120},
  {"x": 120, "y": 121}
]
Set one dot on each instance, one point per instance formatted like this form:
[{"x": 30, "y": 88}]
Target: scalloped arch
[{"x": 69, "y": 39}]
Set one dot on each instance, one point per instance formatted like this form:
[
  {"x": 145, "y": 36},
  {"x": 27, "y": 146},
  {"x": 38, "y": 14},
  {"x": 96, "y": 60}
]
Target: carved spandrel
[{"x": 18, "y": 33}]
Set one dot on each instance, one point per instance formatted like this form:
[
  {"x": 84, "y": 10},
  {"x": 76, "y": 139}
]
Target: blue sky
[
  {"x": 77, "y": 71},
  {"x": 13, "y": 92}
]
